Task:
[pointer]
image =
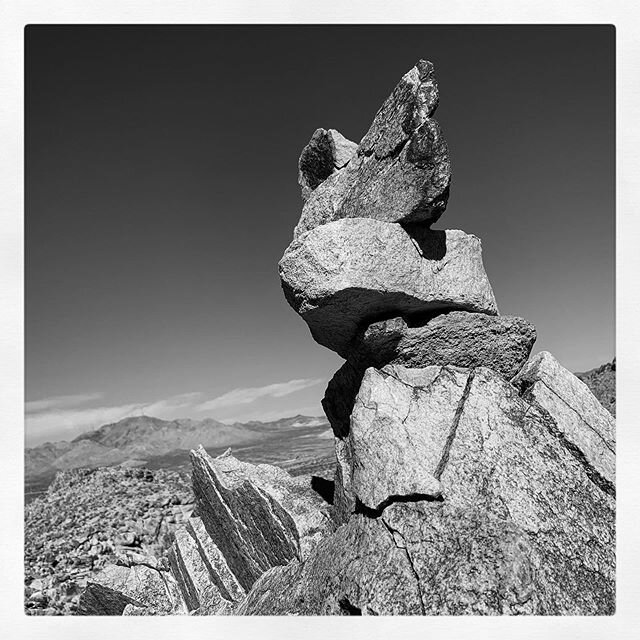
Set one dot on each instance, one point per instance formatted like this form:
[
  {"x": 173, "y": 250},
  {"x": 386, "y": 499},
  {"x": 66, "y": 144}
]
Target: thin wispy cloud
[
  {"x": 60, "y": 402},
  {"x": 56, "y": 423},
  {"x": 246, "y": 395}
]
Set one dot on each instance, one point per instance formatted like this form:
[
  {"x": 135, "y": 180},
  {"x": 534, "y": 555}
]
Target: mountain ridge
[{"x": 139, "y": 438}]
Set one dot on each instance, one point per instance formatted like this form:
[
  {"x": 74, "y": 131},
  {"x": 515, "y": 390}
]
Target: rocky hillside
[
  {"x": 89, "y": 519},
  {"x": 602, "y": 382}
]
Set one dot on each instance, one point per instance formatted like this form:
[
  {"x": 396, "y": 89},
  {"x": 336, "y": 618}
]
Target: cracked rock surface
[
  {"x": 342, "y": 275},
  {"x": 521, "y": 527}
]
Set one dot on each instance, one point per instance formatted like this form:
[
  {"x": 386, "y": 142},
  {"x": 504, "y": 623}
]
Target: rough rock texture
[
  {"x": 200, "y": 585},
  {"x": 602, "y": 383},
  {"x": 257, "y": 516},
  {"x": 401, "y": 171},
  {"x": 582, "y": 421},
  {"x": 326, "y": 152},
  {"x": 346, "y": 274},
  {"x": 462, "y": 339},
  {"x": 91, "y": 518},
  {"x": 152, "y": 589},
  {"x": 522, "y": 528},
  {"x": 249, "y": 518},
  {"x": 399, "y": 433}
]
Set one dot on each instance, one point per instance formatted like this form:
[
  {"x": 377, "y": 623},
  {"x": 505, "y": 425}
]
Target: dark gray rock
[
  {"x": 325, "y": 153},
  {"x": 401, "y": 172},
  {"x": 345, "y": 274},
  {"x": 462, "y": 339}
]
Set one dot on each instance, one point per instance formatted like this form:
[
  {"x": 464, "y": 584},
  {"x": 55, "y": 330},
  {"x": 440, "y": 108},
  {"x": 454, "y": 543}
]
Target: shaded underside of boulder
[{"x": 346, "y": 274}]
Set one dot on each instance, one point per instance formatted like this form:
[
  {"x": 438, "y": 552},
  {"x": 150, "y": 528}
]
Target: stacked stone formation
[
  {"x": 470, "y": 479},
  {"x": 377, "y": 285},
  {"x": 442, "y": 437}
]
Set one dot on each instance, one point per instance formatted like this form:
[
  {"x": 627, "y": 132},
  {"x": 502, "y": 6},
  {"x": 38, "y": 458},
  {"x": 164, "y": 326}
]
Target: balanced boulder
[
  {"x": 325, "y": 153},
  {"x": 342, "y": 275}
]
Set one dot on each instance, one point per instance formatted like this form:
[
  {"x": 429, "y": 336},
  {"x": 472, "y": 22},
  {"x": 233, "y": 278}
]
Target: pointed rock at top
[
  {"x": 400, "y": 173},
  {"x": 414, "y": 99}
]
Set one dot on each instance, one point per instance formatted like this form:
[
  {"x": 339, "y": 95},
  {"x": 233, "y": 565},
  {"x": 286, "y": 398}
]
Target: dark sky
[{"x": 161, "y": 191}]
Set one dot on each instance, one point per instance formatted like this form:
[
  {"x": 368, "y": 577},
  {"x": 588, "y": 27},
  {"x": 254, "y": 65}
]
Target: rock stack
[{"x": 470, "y": 478}]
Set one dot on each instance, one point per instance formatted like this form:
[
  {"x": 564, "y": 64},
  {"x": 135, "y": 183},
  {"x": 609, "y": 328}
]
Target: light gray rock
[
  {"x": 522, "y": 529},
  {"x": 201, "y": 587},
  {"x": 401, "y": 172},
  {"x": 146, "y": 588},
  {"x": 325, "y": 153},
  {"x": 458, "y": 338},
  {"x": 258, "y": 516},
  {"x": 345, "y": 274},
  {"x": 582, "y": 421},
  {"x": 219, "y": 570},
  {"x": 399, "y": 433}
]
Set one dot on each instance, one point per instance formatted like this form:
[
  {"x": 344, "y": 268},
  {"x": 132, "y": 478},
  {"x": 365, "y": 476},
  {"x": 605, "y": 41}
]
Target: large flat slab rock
[
  {"x": 583, "y": 422},
  {"x": 401, "y": 171},
  {"x": 346, "y": 274},
  {"x": 458, "y": 338}
]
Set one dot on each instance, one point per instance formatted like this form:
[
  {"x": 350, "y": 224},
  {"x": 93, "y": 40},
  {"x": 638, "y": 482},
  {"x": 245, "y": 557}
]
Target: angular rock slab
[
  {"x": 150, "y": 590},
  {"x": 200, "y": 585},
  {"x": 401, "y": 171},
  {"x": 326, "y": 152},
  {"x": 257, "y": 516},
  {"x": 583, "y": 422},
  {"x": 344, "y": 274},
  {"x": 523, "y": 529},
  {"x": 458, "y": 338}
]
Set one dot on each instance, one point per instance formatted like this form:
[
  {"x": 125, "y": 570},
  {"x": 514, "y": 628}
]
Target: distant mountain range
[
  {"x": 156, "y": 442},
  {"x": 602, "y": 382}
]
